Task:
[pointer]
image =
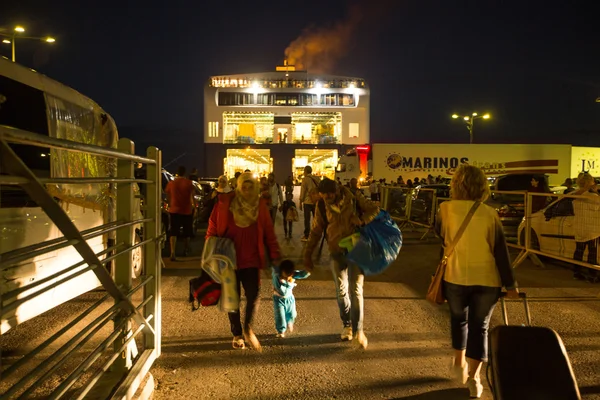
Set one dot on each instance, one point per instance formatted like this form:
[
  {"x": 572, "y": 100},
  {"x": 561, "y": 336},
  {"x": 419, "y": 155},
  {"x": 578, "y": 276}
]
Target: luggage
[
  {"x": 204, "y": 291},
  {"x": 529, "y": 362}
]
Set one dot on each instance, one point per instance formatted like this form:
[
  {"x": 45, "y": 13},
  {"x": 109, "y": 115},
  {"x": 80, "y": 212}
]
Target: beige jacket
[
  {"x": 339, "y": 223},
  {"x": 308, "y": 182}
]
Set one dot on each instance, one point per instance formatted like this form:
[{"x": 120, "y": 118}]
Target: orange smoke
[{"x": 318, "y": 48}]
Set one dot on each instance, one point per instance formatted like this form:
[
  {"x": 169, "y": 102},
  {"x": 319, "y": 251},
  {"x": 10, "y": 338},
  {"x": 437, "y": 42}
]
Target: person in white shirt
[
  {"x": 276, "y": 196},
  {"x": 309, "y": 186},
  {"x": 374, "y": 189},
  {"x": 476, "y": 271}
]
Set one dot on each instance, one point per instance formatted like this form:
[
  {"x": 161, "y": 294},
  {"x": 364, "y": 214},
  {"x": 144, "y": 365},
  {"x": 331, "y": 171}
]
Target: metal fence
[
  {"x": 112, "y": 358},
  {"x": 410, "y": 207}
]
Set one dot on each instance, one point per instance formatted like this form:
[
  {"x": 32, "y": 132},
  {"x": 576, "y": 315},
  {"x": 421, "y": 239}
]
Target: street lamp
[
  {"x": 10, "y": 39},
  {"x": 470, "y": 120}
]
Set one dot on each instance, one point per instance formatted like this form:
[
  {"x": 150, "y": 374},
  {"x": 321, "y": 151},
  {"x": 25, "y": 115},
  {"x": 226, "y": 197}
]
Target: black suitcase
[{"x": 529, "y": 362}]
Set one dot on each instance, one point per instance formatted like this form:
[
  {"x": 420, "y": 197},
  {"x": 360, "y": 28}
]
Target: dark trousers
[
  {"x": 250, "y": 279},
  {"x": 287, "y": 227},
  {"x": 592, "y": 257},
  {"x": 309, "y": 209},
  {"x": 273, "y": 212},
  {"x": 470, "y": 310}
]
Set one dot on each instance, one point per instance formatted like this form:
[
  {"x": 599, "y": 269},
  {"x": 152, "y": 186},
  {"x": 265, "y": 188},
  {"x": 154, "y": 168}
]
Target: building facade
[{"x": 281, "y": 121}]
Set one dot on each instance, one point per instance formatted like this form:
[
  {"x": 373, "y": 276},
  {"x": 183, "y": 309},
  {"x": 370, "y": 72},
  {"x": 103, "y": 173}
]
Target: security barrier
[
  {"x": 110, "y": 361},
  {"x": 396, "y": 200}
]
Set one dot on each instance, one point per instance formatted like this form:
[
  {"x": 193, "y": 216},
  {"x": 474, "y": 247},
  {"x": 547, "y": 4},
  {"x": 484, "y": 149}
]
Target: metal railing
[
  {"x": 410, "y": 207},
  {"x": 125, "y": 352}
]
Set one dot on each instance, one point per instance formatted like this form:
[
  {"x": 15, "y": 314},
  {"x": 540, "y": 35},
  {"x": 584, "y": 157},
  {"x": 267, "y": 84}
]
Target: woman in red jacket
[{"x": 244, "y": 218}]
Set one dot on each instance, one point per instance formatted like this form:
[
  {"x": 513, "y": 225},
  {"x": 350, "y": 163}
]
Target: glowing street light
[
  {"x": 470, "y": 120},
  {"x": 10, "y": 39}
]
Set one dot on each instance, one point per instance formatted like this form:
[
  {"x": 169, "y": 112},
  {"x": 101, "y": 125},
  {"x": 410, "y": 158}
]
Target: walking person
[
  {"x": 290, "y": 215},
  {"x": 194, "y": 175},
  {"x": 289, "y": 185},
  {"x": 180, "y": 194},
  {"x": 244, "y": 218},
  {"x": 586, "y": 212},
  {"x": 342, "y": 216},
  {"x": 284, "y": 303},
  {"x": 233, "y": 181},
  {"x": 276, "y": 196},
  {"x": 374, "y": 189},
  {"x": 307, "y": 203},
  {"x": 476, "y": 271}
]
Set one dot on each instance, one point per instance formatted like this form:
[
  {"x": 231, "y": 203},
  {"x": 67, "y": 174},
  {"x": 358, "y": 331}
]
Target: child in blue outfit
[{"x": 284, "y": 303}]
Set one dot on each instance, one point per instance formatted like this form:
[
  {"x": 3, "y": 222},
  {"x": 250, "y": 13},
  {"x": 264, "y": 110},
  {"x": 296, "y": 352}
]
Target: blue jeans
[
  {"x": 470, "y": 310},
  {"x": 285, "y": 312},
  {"x": 349, "y": 281}
]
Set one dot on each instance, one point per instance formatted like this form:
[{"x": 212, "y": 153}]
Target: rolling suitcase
[{"x": 529, "y": 362}]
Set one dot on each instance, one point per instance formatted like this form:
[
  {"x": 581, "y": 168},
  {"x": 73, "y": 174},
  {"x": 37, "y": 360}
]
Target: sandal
[{"x": 238, "y": 343}]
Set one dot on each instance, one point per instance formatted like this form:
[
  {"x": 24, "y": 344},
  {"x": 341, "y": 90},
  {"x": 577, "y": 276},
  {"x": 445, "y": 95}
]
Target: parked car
[
  {"x": 552, "y": 229},
  {"x": 511, "y": 207}
]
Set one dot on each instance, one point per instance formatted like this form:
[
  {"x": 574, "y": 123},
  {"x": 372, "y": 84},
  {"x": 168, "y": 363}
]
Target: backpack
[
  {"x": 204, "y": 291},
  {"x": 292, "y": 215}
]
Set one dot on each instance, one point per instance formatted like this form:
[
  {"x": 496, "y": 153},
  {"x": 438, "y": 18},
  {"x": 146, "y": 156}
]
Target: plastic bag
[{"x": 379, "y": 244}]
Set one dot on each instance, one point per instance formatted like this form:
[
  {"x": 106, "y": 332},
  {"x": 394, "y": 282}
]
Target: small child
[
  {"x": 288, "y": 219},
  {"x": 284, "y": 303}
]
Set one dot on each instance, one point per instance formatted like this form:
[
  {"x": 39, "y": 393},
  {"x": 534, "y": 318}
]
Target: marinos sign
[{"x": 410, "y": 161}]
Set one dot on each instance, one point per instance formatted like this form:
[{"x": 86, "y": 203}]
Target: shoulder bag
[{"x": 435, "y": 292}]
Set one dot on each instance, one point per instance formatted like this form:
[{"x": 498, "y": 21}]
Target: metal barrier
[
  {"x": 117, "y": 365},
  {"x": 396, "y": 200},
  {"x": 562, "y": 227},
  {"x": 410, "y": 207}
]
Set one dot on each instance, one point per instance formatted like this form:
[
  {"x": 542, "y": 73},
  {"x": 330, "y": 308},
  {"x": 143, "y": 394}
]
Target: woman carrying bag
[{"x": 477, "y": 266}]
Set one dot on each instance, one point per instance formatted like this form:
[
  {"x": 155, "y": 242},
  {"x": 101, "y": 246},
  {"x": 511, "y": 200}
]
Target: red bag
[{"x": 204, "y": 291}]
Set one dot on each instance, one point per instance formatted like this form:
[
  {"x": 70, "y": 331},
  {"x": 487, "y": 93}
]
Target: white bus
[{"x": 33, "y": 102}]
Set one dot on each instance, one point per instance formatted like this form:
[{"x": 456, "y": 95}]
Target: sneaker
[
  {"x": 361, "y": 340},
  {"x": 238, "y": 343},
  {"x": 290, "y": 327},
  {"x": 252, "y": 339},
  {"x": 304, "y": 239},
  {"x": 475, "y": 388},
  {"x": 347, "y": 333},
  {"x": 459, "y": 373},
  {"x": 280, "y": 335}
]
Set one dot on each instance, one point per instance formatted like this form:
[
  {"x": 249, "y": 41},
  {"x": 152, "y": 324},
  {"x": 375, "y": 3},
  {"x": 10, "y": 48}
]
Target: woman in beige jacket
[{"x": 476, "y": 271}]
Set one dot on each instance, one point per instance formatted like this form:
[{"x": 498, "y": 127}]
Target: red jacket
[{"x": 219, "y": 219}]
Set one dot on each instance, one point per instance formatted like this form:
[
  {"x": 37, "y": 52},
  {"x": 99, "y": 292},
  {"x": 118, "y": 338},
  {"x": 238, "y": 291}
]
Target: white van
[{"x": 33, "y": 102}]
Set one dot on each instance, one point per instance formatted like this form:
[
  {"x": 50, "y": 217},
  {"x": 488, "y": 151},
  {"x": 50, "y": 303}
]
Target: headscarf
[
  {"x": 245, "y": 212},
  {"x": 227, "y": 188}
]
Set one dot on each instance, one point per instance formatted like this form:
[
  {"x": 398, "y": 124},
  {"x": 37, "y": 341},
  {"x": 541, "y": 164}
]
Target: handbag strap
[{"x": 448, "y": 251}]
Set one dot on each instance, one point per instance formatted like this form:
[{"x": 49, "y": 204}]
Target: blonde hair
[
  {"x": 585, "y": 181},
  {"x": 469, "y": 183}
]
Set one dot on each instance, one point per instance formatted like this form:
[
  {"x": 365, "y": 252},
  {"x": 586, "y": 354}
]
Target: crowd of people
[{"x": 244, "y": 212}]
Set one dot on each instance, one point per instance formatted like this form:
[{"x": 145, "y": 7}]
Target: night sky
[{"x": 535, "y": 66}]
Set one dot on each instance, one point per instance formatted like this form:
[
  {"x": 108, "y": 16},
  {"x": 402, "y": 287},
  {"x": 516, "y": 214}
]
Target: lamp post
[
  {"x": 470, "y": 120},
  {"x": 10, "y": 39}
]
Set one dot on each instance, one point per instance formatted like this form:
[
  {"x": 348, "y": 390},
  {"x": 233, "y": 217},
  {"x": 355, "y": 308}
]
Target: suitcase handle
[{"x": 522, "y": 296}]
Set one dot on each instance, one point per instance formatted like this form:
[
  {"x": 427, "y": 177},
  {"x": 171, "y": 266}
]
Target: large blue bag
[{"x": 379, "y": 244}]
